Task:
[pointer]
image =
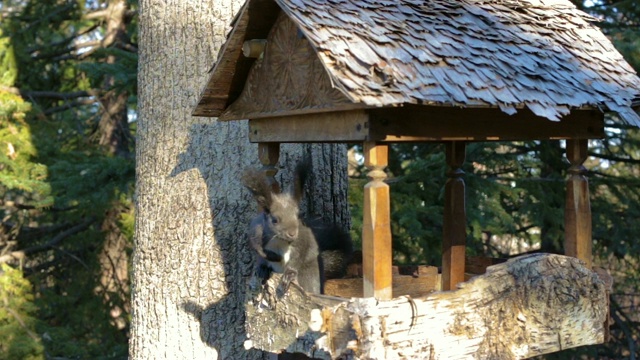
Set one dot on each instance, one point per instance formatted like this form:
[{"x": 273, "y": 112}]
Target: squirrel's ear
[
  {"x": 257, "y": 183},
  {"x": 264, "y": 202}
]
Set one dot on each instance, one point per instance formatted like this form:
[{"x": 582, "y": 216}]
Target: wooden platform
[{"x": 411, "y": 280}]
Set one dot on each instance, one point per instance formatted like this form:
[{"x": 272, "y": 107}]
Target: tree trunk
[
  {"x": 552, "y": 165},
  {"x": 113, "y": 128},
  {"x": 114, "y": 136},
  {"x": 191, "y": 260},
  {"x": 114, "y": 268}
]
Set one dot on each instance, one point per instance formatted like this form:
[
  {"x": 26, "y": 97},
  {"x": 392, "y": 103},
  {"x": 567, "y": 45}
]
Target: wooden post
[
  {"x": 376, "y": 225},
  {"x": 455, "y": 218},
  {"x": 577, "y": 212},
  {"x": 269, "y": 153}
]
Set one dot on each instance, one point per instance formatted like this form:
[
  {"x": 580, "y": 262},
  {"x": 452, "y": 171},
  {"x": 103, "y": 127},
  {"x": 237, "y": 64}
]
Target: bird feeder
[{"x": 389, "y": 71}]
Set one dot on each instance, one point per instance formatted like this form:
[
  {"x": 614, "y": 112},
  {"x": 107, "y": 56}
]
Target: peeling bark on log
[{"x": 527, "y": 306}]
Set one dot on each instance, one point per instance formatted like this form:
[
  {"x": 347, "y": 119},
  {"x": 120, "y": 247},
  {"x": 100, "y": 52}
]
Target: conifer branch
[
  {"x": 63, "y": 41},
  {"x": 34, "y": 207},
  {"x": 623, "y": 323},
  {"x": 614, "y": 158},
  {"x": 70, "y": 105},
  {"x": 31, "y": 334},
  {"x": 48, "y": 94},
  {"x": 21, "y": 254}
]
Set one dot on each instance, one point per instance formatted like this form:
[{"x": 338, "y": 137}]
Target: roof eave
[{"x": 228, "y": 75}]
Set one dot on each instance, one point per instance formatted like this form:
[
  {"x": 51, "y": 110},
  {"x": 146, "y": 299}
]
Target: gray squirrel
[{"x": 306, "y": 250}]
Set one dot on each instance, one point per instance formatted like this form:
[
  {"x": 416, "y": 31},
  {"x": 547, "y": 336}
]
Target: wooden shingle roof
[{"x": 545, "y": 55}]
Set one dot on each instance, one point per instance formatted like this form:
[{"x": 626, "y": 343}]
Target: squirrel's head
[
  {"x": 280, "y": 210},
  {"x": 282, "y": 216}
]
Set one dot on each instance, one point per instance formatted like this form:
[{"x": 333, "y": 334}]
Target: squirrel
[
  {"x": 282, "y": 243},
  {"x": 306, "y": 250}
]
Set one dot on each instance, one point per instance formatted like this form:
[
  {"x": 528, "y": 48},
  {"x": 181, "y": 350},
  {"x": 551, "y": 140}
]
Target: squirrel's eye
[{"x": 274, "y": 220}]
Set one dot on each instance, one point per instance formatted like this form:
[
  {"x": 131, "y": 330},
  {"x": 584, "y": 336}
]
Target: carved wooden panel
[{"x": 288, "y": 79}]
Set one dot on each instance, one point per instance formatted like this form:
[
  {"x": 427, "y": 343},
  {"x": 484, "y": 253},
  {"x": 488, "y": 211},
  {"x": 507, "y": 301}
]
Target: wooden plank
[
  {"x": 454, "y": 230},
  {"x": 420, "y": 123},
  {"x": 376, "y": 225},
  {"x": 277, "y": 113},
  {"x": 401, "y": 285},
  {"x": 340, "y": 126},
  {"x": 477, "y": 265},
  {"x": 355, "y": 269},
  {"x": 352, "y": 285},
  {"x": 528, "y": 306},
  {"x": 416, "y": 287},
  {"x": 431, "y": 123},
  {"x": 417, "y": 270},
  {"x": 577, "y": 212}
]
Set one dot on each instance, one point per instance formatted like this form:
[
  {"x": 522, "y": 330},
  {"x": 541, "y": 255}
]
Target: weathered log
[{"x": 527, "y": 306}]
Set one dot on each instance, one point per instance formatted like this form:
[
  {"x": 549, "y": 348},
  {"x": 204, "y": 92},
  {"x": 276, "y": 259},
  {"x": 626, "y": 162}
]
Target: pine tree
[
  {"x": 18, "y": 338},
  {"x": 67, "y": 166}
]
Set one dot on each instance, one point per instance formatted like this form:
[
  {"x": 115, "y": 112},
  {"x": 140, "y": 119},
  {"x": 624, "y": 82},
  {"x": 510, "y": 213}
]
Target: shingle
[{"x": 542, "y": 54}]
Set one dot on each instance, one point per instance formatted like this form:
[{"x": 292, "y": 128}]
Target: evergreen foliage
[
  {"x": 123, "y": 79},
  {"x": 65, "y": 197},
  {"x": 20, "y": 176},
  {"x": 18, "y": 339},
  {"x": 8, "y": 68}
]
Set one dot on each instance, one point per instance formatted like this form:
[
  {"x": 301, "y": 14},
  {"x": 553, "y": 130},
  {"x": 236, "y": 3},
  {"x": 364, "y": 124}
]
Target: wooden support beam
[
  {"x": 376, "y": 225},
  {"x": 528, "y": 306},
  {"x": 414, "y": 123},
  {"x": 577, "y": 212},
  {"x": 432, "y": 123},
  {"x": 455, "y": 218},
  {"x": 334, "y": 126},
  {"x": 269, "y": 154}
]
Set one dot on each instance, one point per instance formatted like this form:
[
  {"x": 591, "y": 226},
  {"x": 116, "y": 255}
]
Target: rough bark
[
  {"x": 114, "y": 268},
  {"x": 527, "y": 306},
  {"x": 113, "y": 127},
  {"x": 191, "y": 259},
  {"x": 325, "y": 195}
]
